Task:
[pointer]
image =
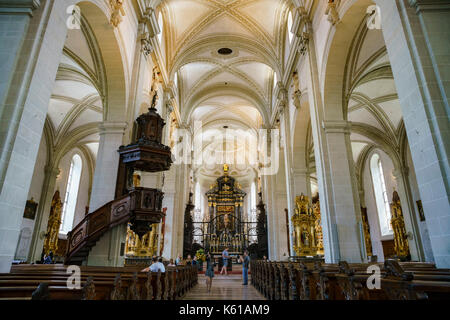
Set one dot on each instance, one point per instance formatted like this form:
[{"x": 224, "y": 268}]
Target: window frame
[
  {"x": 69, "y": 202},
  {"x": 381, "y": 196}
]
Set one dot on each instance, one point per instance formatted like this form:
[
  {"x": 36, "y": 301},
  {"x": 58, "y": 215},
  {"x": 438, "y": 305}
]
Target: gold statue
[
  {"x": 318, "y": 227},
  {"x": 225, "y": 169},
  {"x": 304, "y": 228},
  {"x": 401, "y": 245},
  {"x": 54, "y": 223},
  {"x": 366, "y": 230},
  {"x": 145, "y": 247},
  {"x": 136, "y": 180}
]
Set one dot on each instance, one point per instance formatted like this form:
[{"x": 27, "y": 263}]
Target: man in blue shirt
[
  {"x": 225, "y": 257},
  {"x": 245, "y": 264}
]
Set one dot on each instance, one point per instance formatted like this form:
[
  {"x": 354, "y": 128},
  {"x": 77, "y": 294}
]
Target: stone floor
[{"x": 223, "y": 288}]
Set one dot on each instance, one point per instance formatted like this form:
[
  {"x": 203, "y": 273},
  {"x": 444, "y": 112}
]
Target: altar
[{"x": 226, "y": 226}]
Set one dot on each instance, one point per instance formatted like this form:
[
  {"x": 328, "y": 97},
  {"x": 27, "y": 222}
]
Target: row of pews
[
  {"x": 344, "y": 281},
  {"x": 49, "y": 282}
]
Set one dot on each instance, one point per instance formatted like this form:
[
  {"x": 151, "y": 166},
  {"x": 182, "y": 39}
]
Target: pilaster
[{"x": 414, "y": 33}]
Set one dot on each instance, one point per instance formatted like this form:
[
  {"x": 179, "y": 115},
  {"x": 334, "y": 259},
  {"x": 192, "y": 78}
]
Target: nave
[{"x": 224, "y": 288}]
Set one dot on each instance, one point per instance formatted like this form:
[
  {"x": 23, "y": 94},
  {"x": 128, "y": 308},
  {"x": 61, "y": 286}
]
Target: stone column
[
  {"x": 409, "y": 216},
  {"x": 288, "y": 172},
  {"x": 32, "y": 38},
  {"x": 339, "y": 199},
  {"x": 106, "y": 252},
  {"x": 416, "y": 34},
  {"x": 40, "y": 226},
  {"x": 272, "y": 221},
  {"x": 107, "y": 164}
]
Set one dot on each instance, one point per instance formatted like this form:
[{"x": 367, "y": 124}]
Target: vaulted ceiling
[
  {"x": 232, "y": 89},
  {"x": 76, "y": 107},
  {"x": 195, "y": 31}
]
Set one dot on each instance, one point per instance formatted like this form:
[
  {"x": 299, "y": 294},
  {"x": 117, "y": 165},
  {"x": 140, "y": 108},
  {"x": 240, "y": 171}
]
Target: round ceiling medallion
[{"x": 225, "y": 51}]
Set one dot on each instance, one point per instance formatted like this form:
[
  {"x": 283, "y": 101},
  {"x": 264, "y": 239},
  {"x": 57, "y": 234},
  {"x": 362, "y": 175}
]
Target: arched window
[
  {"x": 198, "y": 202},
  {"x": 253, "y": 202},
  {"x": 175, "y": 79},
  {"x": 70, "y": 199},
  {"x": 161, "y": 27},
  {"x": 290, "y": 22},
  {"x": 381, "y": 196}
]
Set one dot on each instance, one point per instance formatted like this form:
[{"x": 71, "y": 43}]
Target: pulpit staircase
[{"x": 143, "y": 202}]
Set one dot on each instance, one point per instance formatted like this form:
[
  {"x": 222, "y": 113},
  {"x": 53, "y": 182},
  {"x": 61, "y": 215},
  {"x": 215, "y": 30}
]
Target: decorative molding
[
  {"x": 151, "y": 23},
  {"x": 19, "y": 6},
  {"x": 303, "y": 43},
  {"x": 146, "y": 44},
  {"x": 398, "y": 173},
  {"x": 337, "y": 126},
  {"x": 331, "y": 12},
  {"x": 112, "y": 127},
  {"x": 117, "y": 12},
  {"x": 427, "y": 5}
]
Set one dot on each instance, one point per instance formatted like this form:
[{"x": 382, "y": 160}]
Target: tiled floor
[{"x": 223, "y": 288}]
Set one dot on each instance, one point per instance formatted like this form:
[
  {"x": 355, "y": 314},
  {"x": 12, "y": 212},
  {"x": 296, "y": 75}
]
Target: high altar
[{"x": 226, "y": 226}]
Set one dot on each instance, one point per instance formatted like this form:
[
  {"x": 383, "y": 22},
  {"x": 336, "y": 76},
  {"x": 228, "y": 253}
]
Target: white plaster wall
[
  {"x": 27, "y": 227},
  {"x": 423, "y": 228}
]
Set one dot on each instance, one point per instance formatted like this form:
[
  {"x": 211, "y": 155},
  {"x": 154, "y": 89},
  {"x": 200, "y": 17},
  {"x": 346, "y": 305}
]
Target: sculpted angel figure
[{"x": 117, "y": 12}]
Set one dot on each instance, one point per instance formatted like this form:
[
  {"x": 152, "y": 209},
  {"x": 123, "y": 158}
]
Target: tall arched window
[
  {"x": 175, "y": 79},
  {"x": 381, "y": 196},
  {"x": 161, "y": 27},
  {"x": 253, "y": 201},
  {"x": 290, "y": 22},
  {"x": 198, "y": 202},
  {"x": 70, "y": 199}
]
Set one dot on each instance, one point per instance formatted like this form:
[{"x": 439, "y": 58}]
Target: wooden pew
[
  {"x": 98, "y": 283},
  {"x": 319, "y": 281}
]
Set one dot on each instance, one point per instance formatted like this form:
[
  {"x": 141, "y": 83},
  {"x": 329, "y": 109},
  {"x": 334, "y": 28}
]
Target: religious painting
[
  {"x": 420, "y": 208},
  {"x": 30, "y": 209}
]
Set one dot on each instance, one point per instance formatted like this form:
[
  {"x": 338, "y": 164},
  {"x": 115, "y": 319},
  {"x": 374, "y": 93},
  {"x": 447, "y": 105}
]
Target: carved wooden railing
[{"x": 143, "y": 204}]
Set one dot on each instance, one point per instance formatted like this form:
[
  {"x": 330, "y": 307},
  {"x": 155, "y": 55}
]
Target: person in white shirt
[{"x": 156, "y": 266}]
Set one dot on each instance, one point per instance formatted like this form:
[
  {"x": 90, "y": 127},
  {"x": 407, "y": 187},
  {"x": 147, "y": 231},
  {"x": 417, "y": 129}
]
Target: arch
[
  {"x": 115, "y": 83},
  {"x": 221, "y": 90},
  {"x": 337, "y": 50}
]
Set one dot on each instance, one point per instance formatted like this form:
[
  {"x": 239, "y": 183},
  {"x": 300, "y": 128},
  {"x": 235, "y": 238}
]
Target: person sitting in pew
[
  {"x": 48, "y": 259},
  {"x": 171, "y": 263},
  {"x": 156, "y": 266}
]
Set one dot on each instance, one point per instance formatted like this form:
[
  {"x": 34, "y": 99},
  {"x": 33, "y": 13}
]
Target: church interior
[{"x": 308, "y": 134}]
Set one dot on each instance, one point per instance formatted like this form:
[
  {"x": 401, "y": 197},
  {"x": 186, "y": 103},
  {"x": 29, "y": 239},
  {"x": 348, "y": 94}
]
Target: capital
[
  {"x": 52, "y": 171},
  {"x": 399, "y": 172},
  {"x": 18, "y": 6},
  {"x": 423, "y": 5},
  {"x": 337, "y": 126},
  {"x": 112, "y": 127}
]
